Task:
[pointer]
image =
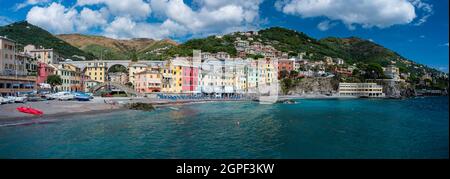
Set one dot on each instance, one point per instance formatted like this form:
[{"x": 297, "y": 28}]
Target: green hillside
[
  {"x": 208, "y": 44},
  {"x": 117, "y": 49},
  {"x": 353, "y": 50},
  {"x": 25, "y": 33}
]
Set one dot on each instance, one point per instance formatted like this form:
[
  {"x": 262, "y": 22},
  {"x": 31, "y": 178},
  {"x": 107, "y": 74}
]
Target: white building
[
  {"x": 371, "y": 90},
  {"x": 392, "y": 72},
  {"x": 339, "y": 61}
]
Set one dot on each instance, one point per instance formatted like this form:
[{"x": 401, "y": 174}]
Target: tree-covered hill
[{"x": 25, "y": 33}]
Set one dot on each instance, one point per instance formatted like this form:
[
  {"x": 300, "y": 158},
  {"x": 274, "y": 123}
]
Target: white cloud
[
  {"x": 59, "y": 19},
  {"x": 325, "y": 25},
  {"x": 426, "y": 11},
  {"x": 125, "y": 28},
  {"x": 149, "y": 18},
  {"x": 138, "y": 9},
  {"x": 54, "y": 17},
  {"x": 89, "y": 18},
  {"x": 211, "y": 16},
  {"x": 367, "y": 13},
  {"x": 30, "y": 3}
]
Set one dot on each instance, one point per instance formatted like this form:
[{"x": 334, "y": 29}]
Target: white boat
[
  {"x": 20, "y": 99},
  {"x": 63, "y": 96},
  {"x": 10, "y": 99},
  {"x": 3, "y": 100},
  {"x": 268, "y": 99}
]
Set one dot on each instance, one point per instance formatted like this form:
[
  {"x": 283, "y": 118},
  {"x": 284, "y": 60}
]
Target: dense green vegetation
[
  {"x": 105, "y": 53},
  {"x": 209, "y": 44},
  {"x": 25, "y": 33},
  {"x": 54, "y": 80}
]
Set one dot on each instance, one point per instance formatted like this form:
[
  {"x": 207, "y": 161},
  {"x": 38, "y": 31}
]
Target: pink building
[
  {"x": 44, "y": 70},
  {"x": 190, "y": 79},
  {"x": 148, "y": 81}
]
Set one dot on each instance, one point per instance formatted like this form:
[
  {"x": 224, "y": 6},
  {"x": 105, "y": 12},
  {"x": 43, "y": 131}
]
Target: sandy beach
[{"x": 55, "y": 108}]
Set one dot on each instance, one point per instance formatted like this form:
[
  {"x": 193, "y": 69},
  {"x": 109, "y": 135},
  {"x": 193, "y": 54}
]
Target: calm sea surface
[{"x": 352, "y": 128}]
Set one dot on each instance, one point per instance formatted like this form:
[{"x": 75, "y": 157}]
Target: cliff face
[
  {"x": 315, "y": 86},
  {"x": 393, "y": 89}
]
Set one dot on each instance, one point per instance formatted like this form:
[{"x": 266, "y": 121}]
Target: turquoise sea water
[{"x": 356, "y": 128}]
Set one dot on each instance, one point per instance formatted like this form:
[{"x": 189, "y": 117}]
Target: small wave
[{"x": 28, "y": 123}]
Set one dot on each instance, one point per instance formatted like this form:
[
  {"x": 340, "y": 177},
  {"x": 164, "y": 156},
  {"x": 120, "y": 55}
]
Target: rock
[
  {"x": 315, "y": 86},
  {"x": 141, "y": 106}
]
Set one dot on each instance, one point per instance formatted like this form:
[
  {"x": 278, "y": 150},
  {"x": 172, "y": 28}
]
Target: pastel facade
[
  {"x": 7, "y": 56},
  {"x": 71, "y": 78},
  {"x": 48, "y": 56},
  {"x": 44, "y": 70},
  {"x": 133, "y": 69},
  {"x": 180, "y": 75},
  {"x": 97, "y": 71},
  {"x": 119, "y": 77},
  {"x": 148, "y": 81},
  {"x": 14, "y": 74}
]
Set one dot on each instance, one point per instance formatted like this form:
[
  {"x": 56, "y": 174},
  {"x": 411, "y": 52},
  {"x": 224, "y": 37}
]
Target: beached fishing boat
[
  {"x": 82, "y": 96},
  {"x": 30, "y": 110}
]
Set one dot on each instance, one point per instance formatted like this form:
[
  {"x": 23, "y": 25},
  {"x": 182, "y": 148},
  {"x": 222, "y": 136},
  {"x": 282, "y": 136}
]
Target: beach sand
[{"x": 55, "y": 108}]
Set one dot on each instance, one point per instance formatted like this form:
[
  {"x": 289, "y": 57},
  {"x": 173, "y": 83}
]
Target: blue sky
[{"x": 416, "y": 29}]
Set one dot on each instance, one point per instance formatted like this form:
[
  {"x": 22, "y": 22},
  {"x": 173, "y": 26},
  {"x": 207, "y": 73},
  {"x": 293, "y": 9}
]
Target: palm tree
[{"x": 54, "y": 80}]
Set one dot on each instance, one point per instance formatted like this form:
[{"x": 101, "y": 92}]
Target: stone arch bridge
[{"x": 109, "y": 63}]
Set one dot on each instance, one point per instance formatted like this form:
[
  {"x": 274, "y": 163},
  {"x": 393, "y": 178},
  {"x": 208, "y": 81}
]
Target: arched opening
[{"x": 118, "y": 73}]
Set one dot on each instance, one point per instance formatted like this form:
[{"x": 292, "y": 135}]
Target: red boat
[{"x": 29, "y": 110}]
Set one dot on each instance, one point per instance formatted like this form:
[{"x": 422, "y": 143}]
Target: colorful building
[
  {"x": 180, "y": 75},
  {"x": 71, "y": 78},
  {"x": 44, "y": 70},
  {"x": 97, "y": 71},
  {"x": 134, "y": 68},
  {"x": 148, "y": 81}
]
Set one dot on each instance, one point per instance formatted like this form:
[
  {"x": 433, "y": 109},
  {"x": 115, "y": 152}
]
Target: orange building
[{"x": 148, "y": 81}]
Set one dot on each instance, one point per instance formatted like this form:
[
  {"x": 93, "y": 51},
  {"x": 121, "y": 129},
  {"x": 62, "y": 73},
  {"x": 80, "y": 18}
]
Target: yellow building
[
  {"x": 172, "y": 76},
  {"x": 97, "y": 71},
  {"x": 71, "y": 77}
]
